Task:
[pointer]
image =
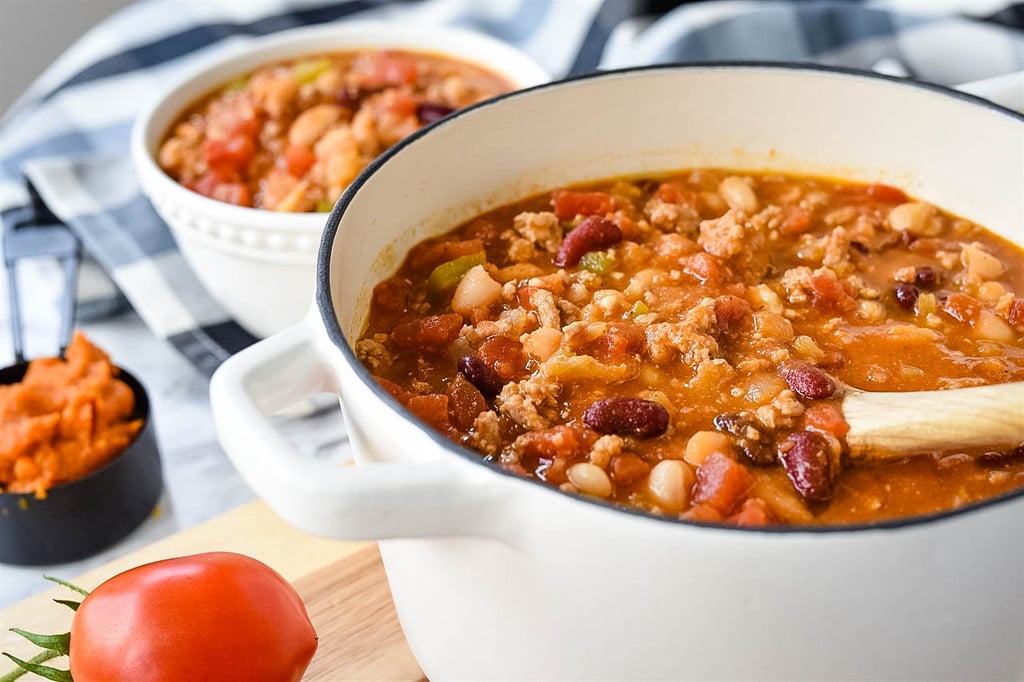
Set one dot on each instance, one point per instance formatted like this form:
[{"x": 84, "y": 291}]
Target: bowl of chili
[
  {"x": 245, "y": 155},
  {"x": 648, "y": 585}
]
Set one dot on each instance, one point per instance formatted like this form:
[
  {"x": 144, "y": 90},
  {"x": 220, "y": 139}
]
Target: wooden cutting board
[{"x": 342, "y": 583}]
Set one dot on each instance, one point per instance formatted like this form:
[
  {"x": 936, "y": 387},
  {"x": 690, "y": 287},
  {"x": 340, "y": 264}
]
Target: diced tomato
[
  {"x": 392, "y": 68},
  {"x": 555, "y": 472},
  {"x": 730, "y": 311},
  {"x": 396, "y": 391},
  {"x": 1016, "y": 314},
  {"x": 425, "y": 257},
  {"x": 504, "y": 355},
  {"x": 569, "y": 203},
  {"x": 245, "y": 127},
  {"x": 797, "y": 221},
  {"x": 392, "y": 295},
  {"x": 672, "y": 192},
  {"x": 465, "y": 403},
  {"x": 431, "y": 408},
  {"x": 399, "y": 104},
  {"x": 961, "y": 307},
  {"x": 887, "y": 194},
  {"x": 524, "y": 297},
  {"x": 484, "y": 230},
  {"x": 620, "y": 340},
  {"x": 430, "y": 333},
  {"x": 232, "y": 193},
  {"x": 705, "y": 267},
  {"x": 829, "y": 294},
  {"x": 862, "y": 194},
  {"x": 557, "y": 442},
  {"x": 630, "y": 229},
  {"x": 298, "y": 159},
  {"x": 753, "y": 513},
  {"x": 703, "y": 512},
  {"x": 205, "y": 184},
  {"x": 628, "y": 468},
  {"x": 828, "y": 418},
  {"x": 722, "y": 482},
  {"x": 233, "y": 154}
]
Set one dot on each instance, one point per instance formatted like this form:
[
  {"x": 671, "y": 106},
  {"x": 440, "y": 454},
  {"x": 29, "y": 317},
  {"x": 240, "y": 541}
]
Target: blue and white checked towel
[{"x": 64, "y": 145}]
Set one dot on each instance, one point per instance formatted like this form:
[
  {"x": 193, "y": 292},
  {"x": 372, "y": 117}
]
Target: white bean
[
  {"x": 312, "y": 123},
  {"x": 476, "y": 290},
  {"x": 669, "y": 484},
  {"x": 915, "y": 217},
  {"x": 738, "y": 193},
  {"x": 590, "y": 479},
  {"x": 703, "y": 443},
  {"x": 980, "y": 264}
]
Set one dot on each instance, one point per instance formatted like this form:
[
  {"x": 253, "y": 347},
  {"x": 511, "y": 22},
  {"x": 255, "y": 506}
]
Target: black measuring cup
[{"x": 80, "y": 518}]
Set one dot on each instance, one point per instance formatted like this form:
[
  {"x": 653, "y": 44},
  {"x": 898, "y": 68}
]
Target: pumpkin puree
[{"x": 64, "y": 420}]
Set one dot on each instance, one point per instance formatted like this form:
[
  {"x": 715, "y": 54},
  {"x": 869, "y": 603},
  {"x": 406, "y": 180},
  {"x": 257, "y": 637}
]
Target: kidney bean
[
  {"x": 808, "y": 381},
  {"x": 465, "y": 403},
  {"x": 627, "y": 416},
  {"x": 431, "y": 112},
  {"x": 805, "y": 456},
  {"x": 906, "y": 295},
  {"x": 592, "y": 234},
  {"x": 1001, "y": 457},
  {"x": 480, "y": 374},
  {"x": 752, "y": 438},
  {"x": 926, "y": 277},
  {"x": 729, "y": 312}
]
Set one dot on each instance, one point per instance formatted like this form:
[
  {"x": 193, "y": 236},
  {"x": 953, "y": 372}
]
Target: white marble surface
[{"x": 199, "y": 480}]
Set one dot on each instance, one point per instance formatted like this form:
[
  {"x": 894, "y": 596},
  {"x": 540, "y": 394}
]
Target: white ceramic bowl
[
  {"x": 259, "y": 264},
  {"x": 496, "y": 576}
]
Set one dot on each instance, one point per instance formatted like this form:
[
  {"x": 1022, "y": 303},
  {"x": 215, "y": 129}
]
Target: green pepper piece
[
  {"x": 639, "y": 308},
  {"x": 447, "y": 276},
  {"x": 324, "y": 206},
  {"x": 236, "y": 84},
  {"x": 309, "y": 70},
  {"x": 597, "y": 262}
]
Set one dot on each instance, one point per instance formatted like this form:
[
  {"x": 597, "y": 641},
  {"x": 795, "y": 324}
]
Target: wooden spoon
[{"x": 890, "y": 425}]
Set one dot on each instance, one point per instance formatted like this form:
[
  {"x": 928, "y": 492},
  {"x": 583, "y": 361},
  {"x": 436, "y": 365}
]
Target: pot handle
[{"x": 365, "y": 502}]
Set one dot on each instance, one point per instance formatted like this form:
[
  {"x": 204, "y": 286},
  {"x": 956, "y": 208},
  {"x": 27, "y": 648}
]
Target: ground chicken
[
  {"x": 540, "y": 229},
  {"x": 669, "y": 217},
  {"x": 485, "y": 435},
  {"x": 532, "y": 403},
  {"x": 373, "y": 353}
]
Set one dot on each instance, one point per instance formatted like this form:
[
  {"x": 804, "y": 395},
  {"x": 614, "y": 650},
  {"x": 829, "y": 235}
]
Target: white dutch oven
[{"x": 495, "y": 576}]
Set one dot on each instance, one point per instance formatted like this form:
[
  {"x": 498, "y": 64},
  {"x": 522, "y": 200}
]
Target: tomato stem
[
  {"x": 70, "y": 586},
  {"x": 34, "y": 666}
]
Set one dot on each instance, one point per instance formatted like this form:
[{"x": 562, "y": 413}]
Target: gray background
[{"x": 34, "y": 32}]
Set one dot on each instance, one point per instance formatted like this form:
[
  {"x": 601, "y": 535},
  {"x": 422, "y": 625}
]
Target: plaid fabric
[{"x": 64, "y": 145}]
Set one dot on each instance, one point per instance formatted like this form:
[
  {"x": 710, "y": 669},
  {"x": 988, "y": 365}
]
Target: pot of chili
[{"x": 601, "y": 419}]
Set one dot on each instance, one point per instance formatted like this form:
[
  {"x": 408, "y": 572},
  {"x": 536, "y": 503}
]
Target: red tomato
[
  {"x": 298, "y": 159},
  {"x": 232, "y": 193},
  {"x": 231, "y": 155},
  {"x": 393, "y": 68},
  {"x": 568, "y": 204},
  {"x": 217, "y": 616}
]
